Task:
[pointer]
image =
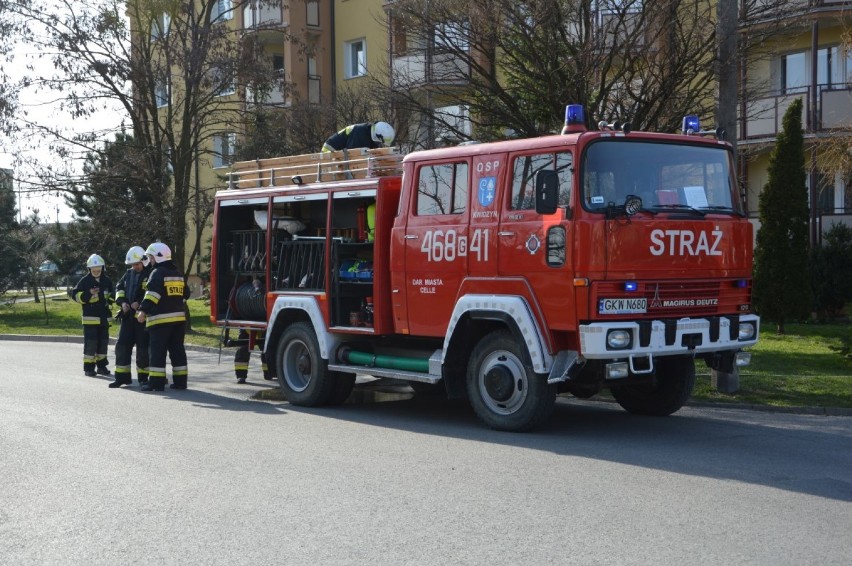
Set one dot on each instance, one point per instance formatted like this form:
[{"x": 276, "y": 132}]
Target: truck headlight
[
  {"x": 746, "y": 331},
  {"x": 618, "y": 339}
]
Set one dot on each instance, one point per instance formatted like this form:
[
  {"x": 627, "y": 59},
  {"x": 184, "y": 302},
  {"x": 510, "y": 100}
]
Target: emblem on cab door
[{"x": 533, "y": 244}]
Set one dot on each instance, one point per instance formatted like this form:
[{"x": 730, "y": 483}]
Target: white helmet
[
  {"x": 134, "y": 255},
  {"x": 159, "y": 251},
  {"x": 383, "y": 133},
  {"x": 95, "y": 261}
]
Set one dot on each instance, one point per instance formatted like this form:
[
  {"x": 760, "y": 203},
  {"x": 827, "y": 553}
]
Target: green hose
[{"x": 387, "y": 362}]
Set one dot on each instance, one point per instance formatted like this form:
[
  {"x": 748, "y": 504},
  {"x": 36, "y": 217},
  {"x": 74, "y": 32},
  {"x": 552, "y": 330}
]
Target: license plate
[{"x": 622, "y": 306}]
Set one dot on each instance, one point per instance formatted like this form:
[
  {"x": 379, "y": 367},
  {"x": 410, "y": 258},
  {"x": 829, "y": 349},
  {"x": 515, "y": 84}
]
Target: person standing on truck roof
[
  {"x": 129, "y": 294},
  {"x": 369, "y": 134},
  {"x": 162, "y": 310},
  {"x": 94, "y": 293}
]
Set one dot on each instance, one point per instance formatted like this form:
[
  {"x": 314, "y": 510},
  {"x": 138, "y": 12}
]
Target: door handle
[
  {"x": 505, "y": 233},
  {"x": 411, "y": 236}
]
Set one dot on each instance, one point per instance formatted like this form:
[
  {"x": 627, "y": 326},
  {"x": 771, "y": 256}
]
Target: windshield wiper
[
  {"x": 718, "y": 208},
  {"x": 683, "y": 207}
]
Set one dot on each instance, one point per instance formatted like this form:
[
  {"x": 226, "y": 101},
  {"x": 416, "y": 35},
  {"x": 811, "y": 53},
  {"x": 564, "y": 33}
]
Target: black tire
[
  {"x": 665, "y": 394},
  {"x": 502, "y": 387},
  {"x": 343, "y": 384},
  {"x": 302, "y": 373}
]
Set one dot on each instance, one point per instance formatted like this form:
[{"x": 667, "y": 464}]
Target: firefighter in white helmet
[
  {"x": 163, "y": 312},
  {"x": 95, "y": 293},
  {"x": 129, "y": 293},
  {"x": 369, "y": 134}
]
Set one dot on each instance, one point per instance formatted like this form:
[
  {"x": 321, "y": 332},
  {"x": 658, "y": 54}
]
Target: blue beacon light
[
  {"x": 631, "y": 286},
  {"x": 691, "y": 125},
  {"x": 575, "y": 119}
]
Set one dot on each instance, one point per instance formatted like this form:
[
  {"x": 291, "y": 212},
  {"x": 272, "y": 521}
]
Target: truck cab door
[
  {"x": 536, "y": 248},
  {"x": 436, "y": 244}
]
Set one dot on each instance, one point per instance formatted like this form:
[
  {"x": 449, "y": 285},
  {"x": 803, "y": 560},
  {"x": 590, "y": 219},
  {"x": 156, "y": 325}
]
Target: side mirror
[{"x": 546, "y": 191}]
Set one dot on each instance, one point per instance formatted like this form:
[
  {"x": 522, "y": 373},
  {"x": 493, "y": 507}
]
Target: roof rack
[{"x": 359, "y": 163}]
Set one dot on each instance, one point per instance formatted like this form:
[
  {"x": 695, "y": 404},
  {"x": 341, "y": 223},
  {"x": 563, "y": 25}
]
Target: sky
[{"x": 43, "y": 108}]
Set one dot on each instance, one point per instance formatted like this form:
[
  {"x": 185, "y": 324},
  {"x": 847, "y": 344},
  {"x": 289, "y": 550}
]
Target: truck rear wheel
[
  {"x": 302, "y": 373},
  {"x": 667, "y": 393},
  {"x": 502, "y": 387}
]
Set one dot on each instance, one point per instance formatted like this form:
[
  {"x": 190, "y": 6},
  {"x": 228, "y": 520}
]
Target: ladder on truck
[{"x": 295, "y": 170}]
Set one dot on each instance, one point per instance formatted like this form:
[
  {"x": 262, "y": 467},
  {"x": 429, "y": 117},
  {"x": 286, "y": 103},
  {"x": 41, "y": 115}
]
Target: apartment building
[{"x": 807, "y": 56}]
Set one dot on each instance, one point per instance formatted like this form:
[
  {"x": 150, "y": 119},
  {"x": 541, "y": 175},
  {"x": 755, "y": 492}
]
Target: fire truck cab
[{"x": 504, "y": 272}]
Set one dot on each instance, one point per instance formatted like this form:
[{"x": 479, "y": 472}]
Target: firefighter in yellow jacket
[
  {"x": 162, "y": 311},
  {"x": 95, "y": 293}
]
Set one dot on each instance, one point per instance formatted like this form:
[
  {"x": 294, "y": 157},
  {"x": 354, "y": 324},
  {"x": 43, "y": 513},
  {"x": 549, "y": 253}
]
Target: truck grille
[{"x": 677, "y": 299}]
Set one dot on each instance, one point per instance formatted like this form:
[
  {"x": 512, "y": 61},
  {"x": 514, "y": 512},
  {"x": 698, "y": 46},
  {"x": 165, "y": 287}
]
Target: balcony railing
[
  {"x": 272, "y": 97},
  {"x": 766, "y": 112},
  {"x": 424, "y": 69},
  {"x": 262, "y": 14}
]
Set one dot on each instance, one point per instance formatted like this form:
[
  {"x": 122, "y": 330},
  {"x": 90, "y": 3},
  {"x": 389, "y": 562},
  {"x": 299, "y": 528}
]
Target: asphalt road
[{"x": 91, "y": 475}]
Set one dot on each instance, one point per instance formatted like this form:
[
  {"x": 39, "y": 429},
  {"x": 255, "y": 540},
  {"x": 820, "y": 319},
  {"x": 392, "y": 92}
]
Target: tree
[
  {"x": 113, "y": 206},
  {"x": 175, "y": 70},
  {"x": 513, "y": 66},
  {"x": 831, "y": 272},
  {"x": 782, "y": 289},
  {"x": 10, "y": 253}
]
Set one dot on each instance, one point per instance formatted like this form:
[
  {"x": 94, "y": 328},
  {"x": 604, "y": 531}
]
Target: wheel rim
[
  {"x": 297, "y": 365},
  {"x": 502, "y": 382}
]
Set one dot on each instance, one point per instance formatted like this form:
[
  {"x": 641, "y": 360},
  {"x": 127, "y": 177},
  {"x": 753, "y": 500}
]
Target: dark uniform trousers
[
  {"x": 168, "y": 338},
  {"x": 95, "y": 345},
  {"x": 132, "y": 333},
  {"x": 243, "y": 355}
]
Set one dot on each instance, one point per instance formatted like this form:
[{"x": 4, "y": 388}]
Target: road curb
[
  {"x": 818, "y": 411},
  {"x": 79, "y": 340}
]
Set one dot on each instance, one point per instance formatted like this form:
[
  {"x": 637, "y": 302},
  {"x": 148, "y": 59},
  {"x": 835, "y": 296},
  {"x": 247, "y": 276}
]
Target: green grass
[
  {"x": 60, "y": 316},
  {"x": 806, "y": 367}
]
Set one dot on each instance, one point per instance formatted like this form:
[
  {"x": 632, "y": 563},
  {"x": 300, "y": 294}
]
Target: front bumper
[{"x": 668, "y": 337}]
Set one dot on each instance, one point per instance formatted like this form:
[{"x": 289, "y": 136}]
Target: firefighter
[
  {"x": 247, "y": 342},
  {"x": 94, "y": 292},
  {"x": 129, "y": 294},
  {"x": 369, "y": 134},
  {"x": 162, "y": 311}
]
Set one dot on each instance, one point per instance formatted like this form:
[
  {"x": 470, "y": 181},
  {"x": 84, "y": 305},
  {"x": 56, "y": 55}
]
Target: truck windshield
[{"x": 666, "y": 176}]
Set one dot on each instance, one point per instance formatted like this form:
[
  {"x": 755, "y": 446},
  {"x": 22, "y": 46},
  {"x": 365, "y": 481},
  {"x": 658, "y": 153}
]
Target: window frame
[
  {"x": 458, "y": 199},
  {"x": 355, "y": 66}
]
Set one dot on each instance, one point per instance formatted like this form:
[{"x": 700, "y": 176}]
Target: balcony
[
  {"x": 423, "y": 68},
  {"x": 264, "y": 18},
  {"x": 766, "y": 112},
  {"x": 273, "y": 96}
]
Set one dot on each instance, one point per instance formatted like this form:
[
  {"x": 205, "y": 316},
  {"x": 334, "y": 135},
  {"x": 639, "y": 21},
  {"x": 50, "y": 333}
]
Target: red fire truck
[{"x": 504, "y": 273}]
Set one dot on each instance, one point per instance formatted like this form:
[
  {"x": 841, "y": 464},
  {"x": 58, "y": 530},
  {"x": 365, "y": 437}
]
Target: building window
[
  {"x": 313, "y": 18},
  {"x": 452, "y": 36},
  {"x": 355, "y": 56},
  {"x": 442, "y": 189},
  {"x": 313, "y": 81},
  {"x": 160, "y": 26},
  {"x": 224, "y": 148},
  {"x": 452, "y": 124},
  {"x": 222, "y": 10},
  {"x": 224, "y": 82},
  {"x": 525, "y": 171},
  {"x": 161, "y": 93}
]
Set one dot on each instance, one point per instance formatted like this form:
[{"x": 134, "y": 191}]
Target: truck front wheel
[
  {"x": 502, "y": 387},
  {"x": 668, "y": 392},
  {"x": 302, "y": 373}
]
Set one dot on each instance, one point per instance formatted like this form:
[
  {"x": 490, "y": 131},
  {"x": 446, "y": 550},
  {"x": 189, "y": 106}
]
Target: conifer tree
[{"x": 782, "y": 290}]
